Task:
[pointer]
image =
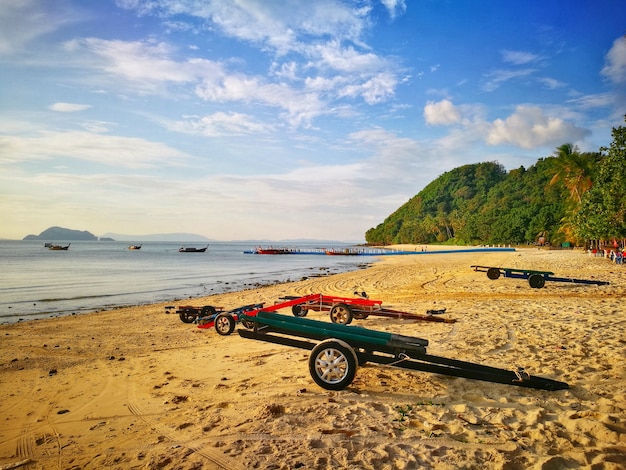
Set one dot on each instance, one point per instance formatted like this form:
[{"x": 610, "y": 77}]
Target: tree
[
  {"x": 603, "y": 207},
  {"x": 574, "y": 170}
]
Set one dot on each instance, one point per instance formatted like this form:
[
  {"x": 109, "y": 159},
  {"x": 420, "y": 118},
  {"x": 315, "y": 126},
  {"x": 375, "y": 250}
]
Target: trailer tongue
[{"x": 337, "y": 350}]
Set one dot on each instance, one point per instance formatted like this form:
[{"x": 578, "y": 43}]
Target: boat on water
[
  {"x": 191, "y": 249},
  {"x": 134, "y": 247},
  {"x": 59, "y": 247}
]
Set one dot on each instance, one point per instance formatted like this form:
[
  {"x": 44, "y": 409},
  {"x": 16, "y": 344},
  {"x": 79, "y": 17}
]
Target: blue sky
[{"x": 259, "y": 119}]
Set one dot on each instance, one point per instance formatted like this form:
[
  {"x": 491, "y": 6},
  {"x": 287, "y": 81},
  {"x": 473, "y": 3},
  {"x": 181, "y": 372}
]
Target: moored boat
[
  {"x": 134, "y": 247},
  {"x": 191, "y": 249},
  {"x": 59, "y": 247}
]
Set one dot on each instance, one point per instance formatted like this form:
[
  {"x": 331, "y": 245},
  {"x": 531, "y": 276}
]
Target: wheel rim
[
  {"x": 331, "y": 365},
  {"x": 340, "y": 315},
  {"x": 223, "y": 324}
]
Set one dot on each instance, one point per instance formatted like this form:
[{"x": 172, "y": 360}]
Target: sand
[{"x": 134, "y": 388}]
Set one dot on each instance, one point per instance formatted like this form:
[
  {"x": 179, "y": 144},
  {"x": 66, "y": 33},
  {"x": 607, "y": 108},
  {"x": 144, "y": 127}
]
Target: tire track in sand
[{"x": 213, "y": 457}]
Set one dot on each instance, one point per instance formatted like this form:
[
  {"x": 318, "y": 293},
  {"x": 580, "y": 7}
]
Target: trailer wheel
[
  {"x": 342, "y": 314},
  {"x": 536, "y": 281},
  {"x": 207, "y": 310},
  {"x": 333, "y": 364},
  {"x": 187, "y": 316},
  {"x": 360, "y": 315},
  {"x": 299, "y": 311},
  {"x": 224, "y": 324},
  {"x": 493, "y": 273}
]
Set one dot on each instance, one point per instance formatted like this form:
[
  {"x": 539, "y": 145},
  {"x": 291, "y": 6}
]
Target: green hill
[{"x": 481, "y": 203}]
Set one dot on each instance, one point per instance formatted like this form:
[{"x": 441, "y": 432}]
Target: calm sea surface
[{"x": 36, "y": 282}]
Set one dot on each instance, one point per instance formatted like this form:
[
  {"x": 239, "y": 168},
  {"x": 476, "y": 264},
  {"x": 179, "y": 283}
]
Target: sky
[{"x": 286, "y": 119}]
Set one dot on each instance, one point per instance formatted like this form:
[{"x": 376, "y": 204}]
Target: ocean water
[{"x": 38, "y": 283}]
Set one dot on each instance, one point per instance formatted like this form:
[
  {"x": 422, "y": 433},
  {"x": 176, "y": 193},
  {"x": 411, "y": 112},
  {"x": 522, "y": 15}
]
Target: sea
[{"x": 36, "y": 282}]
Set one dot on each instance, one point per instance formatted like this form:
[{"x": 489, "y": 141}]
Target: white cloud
[
  {"x": 441, "y": 113},
  {"x": 299, "y": 107},
  {"x": 273, "y": 24},
  {"x": 496, "y": 78},
  {"x": 97, "y": 126},
  {"x": 145, "y": 62},
  {"x": 322, "y": 38},
  {"x": 23, "y": 21},
  {"x": 149, "y": 67},
  {"x": 124, "y": 152},
  {"x": 376, "y": 89},
  {"x": 218, "y": 124},
  {"x": 598, "y": 100},
  {"x": 529, "y": 127},
  {"x": 347, "y": 59},
  {"x": 615, "y": 62},
  {"x": 552, "y": 83},
  {"x": 286, "y": 70},
  {"x": 68, "y": 107},
  {"x": 518, "y": 57},
  {"x": 394, "y": 7}
]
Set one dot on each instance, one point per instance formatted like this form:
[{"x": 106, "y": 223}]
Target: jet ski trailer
[
  {"x": 536, "y": 279},
  {"x": 337, "y": 350}
]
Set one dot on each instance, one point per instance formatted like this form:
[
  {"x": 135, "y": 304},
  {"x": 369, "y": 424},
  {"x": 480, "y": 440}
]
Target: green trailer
[
  {"x": 536, "y": 279},
  {"x": 337, "y": 351}
]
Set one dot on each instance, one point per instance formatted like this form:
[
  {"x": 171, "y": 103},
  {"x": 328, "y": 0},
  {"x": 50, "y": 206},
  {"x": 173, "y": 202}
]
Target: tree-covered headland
[{"x": 570, "y": 197}]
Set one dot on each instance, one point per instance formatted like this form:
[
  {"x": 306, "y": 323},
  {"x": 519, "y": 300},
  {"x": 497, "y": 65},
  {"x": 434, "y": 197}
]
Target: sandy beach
[{"x": 134, "y": 388}]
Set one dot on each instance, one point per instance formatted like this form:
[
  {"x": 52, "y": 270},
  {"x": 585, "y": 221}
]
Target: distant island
[
  {"x": 159, "y": 237},
  {"x": 64, "y": 234}
]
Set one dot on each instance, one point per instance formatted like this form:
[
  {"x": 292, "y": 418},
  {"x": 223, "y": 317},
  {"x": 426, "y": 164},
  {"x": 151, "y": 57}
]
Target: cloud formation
[
  {"x": 441, "y": 113},
  {"x": 529, "y": 127},
  {"x": 615, "y": 67}
]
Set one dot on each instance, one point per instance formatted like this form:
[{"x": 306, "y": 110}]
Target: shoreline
[{"x": 135, "y": 388}]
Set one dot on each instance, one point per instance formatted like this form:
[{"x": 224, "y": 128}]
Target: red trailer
[{"x": 342, "y": 311}]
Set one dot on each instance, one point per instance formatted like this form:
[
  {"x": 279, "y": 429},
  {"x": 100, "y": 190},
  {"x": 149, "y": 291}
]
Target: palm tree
[{"x": 573, "y": 169}]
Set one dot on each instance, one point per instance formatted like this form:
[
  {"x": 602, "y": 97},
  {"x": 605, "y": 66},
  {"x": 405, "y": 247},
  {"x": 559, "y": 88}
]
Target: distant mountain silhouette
[
  {"x": 64, "y": 234},
  {"x": 158, "y": 237}
]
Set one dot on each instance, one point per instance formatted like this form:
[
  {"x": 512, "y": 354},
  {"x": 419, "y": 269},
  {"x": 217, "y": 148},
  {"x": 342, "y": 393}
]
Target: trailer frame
[
  {"x": 342, "y": 311},
  {"x": 337, "y": 351},
  {"x": 536, "y": 279}
]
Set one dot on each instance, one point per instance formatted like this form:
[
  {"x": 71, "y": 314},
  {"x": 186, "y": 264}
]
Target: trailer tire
[
  {"x": 333, "y": 364},
  {"x": 207, "y": 310},
  {"x": 224, "y": 324},
  {"x": 342, "y": 314},
  {"x": 187, "y": 316},
  {"x": 493, "y": 273},
  {"x": 299, "y": 311},
  {"x": 360, "y": 315},
  {"x": 536, "y": 281}
]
